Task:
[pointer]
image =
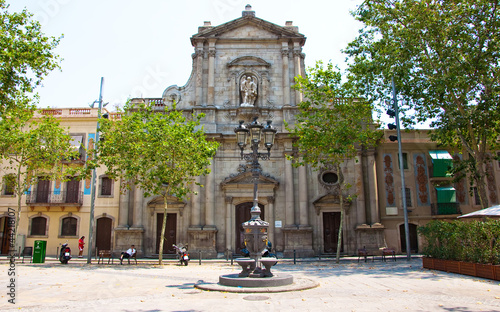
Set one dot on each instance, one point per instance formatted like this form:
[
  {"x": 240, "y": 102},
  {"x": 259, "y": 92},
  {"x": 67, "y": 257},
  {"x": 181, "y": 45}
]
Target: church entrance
[
  {"x": 170, "y": 232},
  {"x": 243, "y": 215},
  {"x": 331, "y": 226}
]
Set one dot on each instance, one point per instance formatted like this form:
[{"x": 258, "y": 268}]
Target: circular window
[{"x": 330, "y": 178}]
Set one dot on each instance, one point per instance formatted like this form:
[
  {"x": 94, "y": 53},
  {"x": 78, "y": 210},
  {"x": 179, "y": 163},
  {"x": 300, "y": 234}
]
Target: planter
[
  {"x": 452, "y": 266},
  {"x": 485, "y": 270},
  {"x": 466, "y": 268},
  {"x": 428, "y": 263},
  {"x": 440, "y": 264}
]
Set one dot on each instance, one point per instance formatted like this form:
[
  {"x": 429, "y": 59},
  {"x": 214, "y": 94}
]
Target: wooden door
[
  {"x": 6, "y": 231},
  {"x": 243, "y": 215},
  {"x": 413, "y": 237},
  {"x": 103, "y": 233},
  {"x": 331, "y": 226},
  {"x": 72, "y": 188},
  {"x": 42, "y": 191},
  {"x": 170, "y": 233}
]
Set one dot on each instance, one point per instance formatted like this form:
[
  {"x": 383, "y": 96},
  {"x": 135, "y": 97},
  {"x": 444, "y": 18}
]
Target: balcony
[
  {"x": 49, "y": 199},
  {"x": 439, "y": 209}
]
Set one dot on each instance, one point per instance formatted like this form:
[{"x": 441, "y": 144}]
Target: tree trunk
[
  {"x": 162, "y": 234},
  {"x": 341, "y": 203}
]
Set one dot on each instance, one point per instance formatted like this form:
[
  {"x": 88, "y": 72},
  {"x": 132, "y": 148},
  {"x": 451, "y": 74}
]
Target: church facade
[{"x": 244, "y": 69}]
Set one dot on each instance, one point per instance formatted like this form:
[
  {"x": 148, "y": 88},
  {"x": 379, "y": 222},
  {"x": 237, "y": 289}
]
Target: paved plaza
[{"x": 348, "y": 286}]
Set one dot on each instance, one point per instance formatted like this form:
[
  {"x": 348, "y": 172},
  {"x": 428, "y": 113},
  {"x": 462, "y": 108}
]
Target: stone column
[
  {"x": 271, "y": 217},
  {"x": 229, "y": 223},
  {"x": 211, "y": 72},
  {"x": 303, "y": 198},
  {"x": 123, "y": 209},
  {"x": 372, "y": 184},
  {"x": 199, "y": 73},
  {"x": 360, "y": 189},
  {"x": 289, "y": 202},
  {"x": 195, "y": 205},
  {"x": 297, "y": 56},
  {"x": 286, "y": 73},
  {"x": 209, "y": 197},
  {"x": 138, "y": 198}
]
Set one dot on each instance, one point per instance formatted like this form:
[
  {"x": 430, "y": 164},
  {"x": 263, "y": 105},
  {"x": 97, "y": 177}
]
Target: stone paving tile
[{"x": 348, "y": 286}]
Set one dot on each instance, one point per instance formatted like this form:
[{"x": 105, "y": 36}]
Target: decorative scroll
[
  {"x": 422, "y": 179},
  {"x": 389, "y": 181}
]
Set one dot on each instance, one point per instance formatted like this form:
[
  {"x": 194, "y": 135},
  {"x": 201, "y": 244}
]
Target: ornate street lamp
[
  {"x": 255, "y": 130},
  {"x": 255, "y": 229}
]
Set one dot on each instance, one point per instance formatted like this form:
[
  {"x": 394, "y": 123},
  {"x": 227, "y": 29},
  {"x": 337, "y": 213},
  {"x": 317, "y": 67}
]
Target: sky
[{"x": 142, "y": 47}]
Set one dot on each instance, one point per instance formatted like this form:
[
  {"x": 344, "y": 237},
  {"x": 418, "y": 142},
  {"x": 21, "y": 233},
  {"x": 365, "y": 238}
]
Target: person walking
[{"x": 81, "y": 243}]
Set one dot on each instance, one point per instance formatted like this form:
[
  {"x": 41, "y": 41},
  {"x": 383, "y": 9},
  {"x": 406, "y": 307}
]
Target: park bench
[
  {"x": 133, "y": 256},
  {"x": 362, "y": 252},
  {"x": 105, "y": 254}
]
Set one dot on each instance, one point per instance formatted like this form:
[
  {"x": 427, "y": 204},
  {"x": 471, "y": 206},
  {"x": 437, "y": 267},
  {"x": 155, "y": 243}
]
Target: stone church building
[{"x": 244, "y": 69}]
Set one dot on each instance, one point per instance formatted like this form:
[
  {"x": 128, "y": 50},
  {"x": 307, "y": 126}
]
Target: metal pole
[
  {"x": 401, "y": 169},
  {"x": 92, "y": 196}
]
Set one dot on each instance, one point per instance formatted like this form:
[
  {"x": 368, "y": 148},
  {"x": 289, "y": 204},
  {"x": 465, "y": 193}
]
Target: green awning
[
  {"x": 440, "y": 155},
  {"x": 446, "y": 194}
]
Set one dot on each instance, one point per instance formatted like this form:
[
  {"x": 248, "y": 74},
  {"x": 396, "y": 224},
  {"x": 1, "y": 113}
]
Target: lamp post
[
  {"x": 255, "y": 229},
  {"x": 254, "y": 131},
  {"x": 92, "y": 196}
]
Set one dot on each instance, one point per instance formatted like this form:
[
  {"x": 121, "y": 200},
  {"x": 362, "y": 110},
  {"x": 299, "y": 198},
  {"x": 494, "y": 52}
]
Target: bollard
[
  {"x": 57, "y": 252},
  {"x": 199, "y": 253},
  {"x": 227, "y": 255},
  {"x": 294, "y": 257},
  {"x": 231, "y": 255},
  {"x": 319, "y": 256},
  {"x": 19, "y": 253}
]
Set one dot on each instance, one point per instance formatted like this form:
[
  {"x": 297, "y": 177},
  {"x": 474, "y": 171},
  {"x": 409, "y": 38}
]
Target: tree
[
  {"x": 27, "y": 56},
  {"x": 445, "y": 58},
  {"x": 35, "y": 149},
  {"x": 160, "y": 152},
  {"x": 332, "y": 125}
]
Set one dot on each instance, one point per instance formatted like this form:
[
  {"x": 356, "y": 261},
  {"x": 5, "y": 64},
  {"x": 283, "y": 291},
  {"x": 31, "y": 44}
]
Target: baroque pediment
[
  {"x": 172, "y": 201},
  {"x": 249, "y": 27},
  {"x": 246, "y": 178},
  {"x": 248, "y": 61}
]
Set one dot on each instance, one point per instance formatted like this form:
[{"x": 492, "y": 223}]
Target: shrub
[{"x": 471, "y": 241}]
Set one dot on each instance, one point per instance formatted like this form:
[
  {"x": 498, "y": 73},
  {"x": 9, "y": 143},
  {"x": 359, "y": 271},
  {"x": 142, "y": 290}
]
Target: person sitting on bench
[{"x": 127, "y": 254}]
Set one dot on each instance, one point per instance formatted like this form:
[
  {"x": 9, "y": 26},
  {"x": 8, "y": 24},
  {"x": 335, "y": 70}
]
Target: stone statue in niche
[{"x": 248, "y": 89}]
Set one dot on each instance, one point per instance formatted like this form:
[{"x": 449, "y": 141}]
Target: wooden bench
[
  {"x": 362, "y": 252},
  {"x": 388, "y": 252},
  {"x": 134, "y": 256},
  {"x": 105, "y": 254}
]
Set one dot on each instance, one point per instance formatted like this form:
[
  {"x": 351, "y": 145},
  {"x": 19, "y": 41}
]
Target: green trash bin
[{"x": 39, "y": 251}]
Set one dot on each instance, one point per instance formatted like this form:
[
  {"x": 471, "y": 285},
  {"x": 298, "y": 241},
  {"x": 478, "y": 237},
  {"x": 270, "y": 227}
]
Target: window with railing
[{"x": 446, "y": 201}]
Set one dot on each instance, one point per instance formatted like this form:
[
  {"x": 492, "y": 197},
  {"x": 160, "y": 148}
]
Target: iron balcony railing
[
  {"x": 445, "y": 209},
  {"x": 54, "y": 198}
]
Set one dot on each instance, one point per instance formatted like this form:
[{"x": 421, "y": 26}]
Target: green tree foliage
[
  {"x": 445, "y": 58},
  {"x": 27, "y": 56},
  {"x": 160, "y": 152},
  {"x": 332, "y": 125},
  {"x": 34, "y": 149},
  {"x": 471, "y": 241}
]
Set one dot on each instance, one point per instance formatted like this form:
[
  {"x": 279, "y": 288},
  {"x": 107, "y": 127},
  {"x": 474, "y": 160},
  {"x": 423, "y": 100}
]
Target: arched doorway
[
  {"x": 413, "y": 237},
  {"x": 243, "y": 215},
  {"x": 103, "y": 233}
]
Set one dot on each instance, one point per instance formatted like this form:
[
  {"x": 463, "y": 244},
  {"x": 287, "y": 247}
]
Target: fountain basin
[{"x": 236, "y": 281}]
